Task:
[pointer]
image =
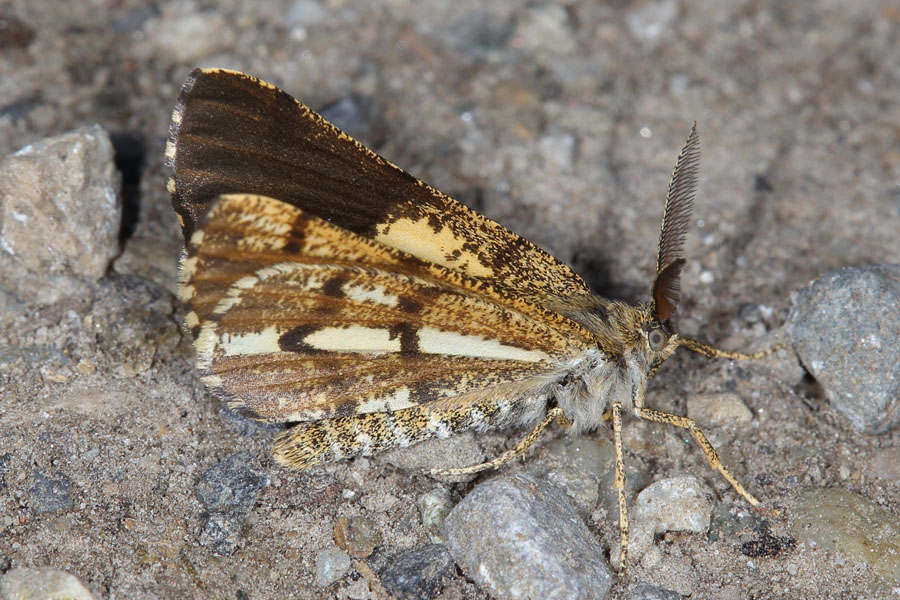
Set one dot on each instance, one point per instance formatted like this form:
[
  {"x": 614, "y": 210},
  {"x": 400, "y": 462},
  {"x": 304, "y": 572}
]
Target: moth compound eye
[{"x": 657, "y": 339}]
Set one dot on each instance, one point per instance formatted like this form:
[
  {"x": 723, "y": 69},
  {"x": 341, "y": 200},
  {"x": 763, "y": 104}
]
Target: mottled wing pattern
[
  {"x": 298, "y": 319},
  {"x": 231, "y": 133}
]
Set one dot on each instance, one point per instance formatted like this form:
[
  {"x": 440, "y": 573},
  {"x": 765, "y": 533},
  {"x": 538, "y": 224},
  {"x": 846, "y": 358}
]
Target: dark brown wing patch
[{"x": 232, "y": 133}]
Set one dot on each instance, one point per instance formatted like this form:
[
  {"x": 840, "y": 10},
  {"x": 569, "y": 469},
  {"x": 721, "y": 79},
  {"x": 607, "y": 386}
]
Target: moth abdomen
[{"x": 313, "y": 443}]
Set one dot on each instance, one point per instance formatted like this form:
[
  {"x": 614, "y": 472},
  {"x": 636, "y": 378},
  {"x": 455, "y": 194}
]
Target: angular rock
[
  {"x": 232, "y": 485},
  {"x": 520, "y": 538},
  {"x": 417, "y": 573},
  {"x": 845, "y": 330},
  {"x": 51, "y": 493},
  {"x": 228, "y": 490},
  {"x": 59, "y": 207},
  {"x": 332, "y": 563},
  {"x": 674, "y": 504}
]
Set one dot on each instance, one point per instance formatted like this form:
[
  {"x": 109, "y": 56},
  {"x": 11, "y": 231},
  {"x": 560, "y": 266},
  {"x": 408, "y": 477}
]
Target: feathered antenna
[{"x": 666, "y": 290}]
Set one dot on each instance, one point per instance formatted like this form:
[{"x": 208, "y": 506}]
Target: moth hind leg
[{"x": 555, "y": 413}]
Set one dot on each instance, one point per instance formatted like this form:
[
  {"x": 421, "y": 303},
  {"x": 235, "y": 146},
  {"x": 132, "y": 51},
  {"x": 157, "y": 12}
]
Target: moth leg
[
  {"x": 555, "y": 413},
  {"x": 619, "y": 482},
  {"x": 712, "y": 352},
  {"x": 711, "y": 455}
]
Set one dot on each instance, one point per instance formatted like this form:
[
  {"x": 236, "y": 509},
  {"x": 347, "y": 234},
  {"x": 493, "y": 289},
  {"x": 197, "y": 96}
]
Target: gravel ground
[{"x": 562, "y": 121}]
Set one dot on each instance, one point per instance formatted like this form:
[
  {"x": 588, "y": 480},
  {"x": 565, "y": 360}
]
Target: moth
[{"x": 328, "y": 289}]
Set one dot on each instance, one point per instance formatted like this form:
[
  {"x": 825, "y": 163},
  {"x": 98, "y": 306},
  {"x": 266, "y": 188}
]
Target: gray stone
[
  {"x": 674, "y": 504},
  {"x": 885, "y": 465},
  {"x": 845, "y": 329},
  {"x": 645, "y": 591},
  {"x": 221, "y": 532},
  {"x": 228, "y": 491},
  {"x": 185, "y": 34},
  {"x": 59, "y": 207},
  {"x": 232, "y": 485},
  {"x": 850, "y": 526},
  {"x": 417, "y": 573},
  {"x": 26, "y": 583},
  {"x": 721, "y": 411},
  {"x": 50, "y": 494},
  {"x": 332, "y": 563},
  {"x": 546, "y": 27},
  {"x": 518, "y": 537}
]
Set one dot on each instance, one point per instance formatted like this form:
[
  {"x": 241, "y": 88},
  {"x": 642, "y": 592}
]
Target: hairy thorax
[{"x": 592, "y": 383}]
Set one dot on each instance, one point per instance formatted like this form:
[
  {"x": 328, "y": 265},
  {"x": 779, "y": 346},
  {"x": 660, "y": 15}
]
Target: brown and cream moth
[{"x": 329, "y": 289}]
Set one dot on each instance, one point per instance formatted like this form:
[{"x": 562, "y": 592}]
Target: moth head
[
  {"x": 660, "y": 339},
  {"x": 665, "y": 293}
]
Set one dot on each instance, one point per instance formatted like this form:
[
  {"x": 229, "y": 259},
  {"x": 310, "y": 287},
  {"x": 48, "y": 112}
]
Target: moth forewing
[
  {"x": 233, "y": 133},
  {"x": 315, "y": 322}
]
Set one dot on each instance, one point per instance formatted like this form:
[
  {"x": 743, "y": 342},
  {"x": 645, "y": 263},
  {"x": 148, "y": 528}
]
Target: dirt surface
[{"x": 562, "y": 121}]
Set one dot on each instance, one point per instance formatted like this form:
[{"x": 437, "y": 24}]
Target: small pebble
[
  {"x": 45, "y": 583},
  {"x": 884, "y": 465},
  {"x": 724, "y": 410},
  {"x": 652, "y": 19},
  {"x": 359, "y": 536},
  {"x": 51, "y": 492},
  {"x": 417, "y": 573},
  {"x": 455, "y": 451},
  {"x": 674, "y": 504},
  {"x": 185, "y": 34},
  {"x": 645, "y": 591},
  {"x": 521, "y": 538},
  {"x": 332, "y": 563},
  {"x": 434, "y": 506},
  {"x": 65, "y": 188},
  {"x": 546, "y": 27},
  {"x": 232, "y": 485},
  {"x": 228, "y": 490},
  {"x": 845, "y": 330},
  {"x": 576, "y": 464}
]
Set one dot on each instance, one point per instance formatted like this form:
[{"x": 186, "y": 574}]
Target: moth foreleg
[
  {"x": 519, "y": 449},
  {"x": 711, "y": 455}
]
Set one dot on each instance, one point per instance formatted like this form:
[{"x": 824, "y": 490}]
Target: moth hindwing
[{"x": 329, "y": 289}]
